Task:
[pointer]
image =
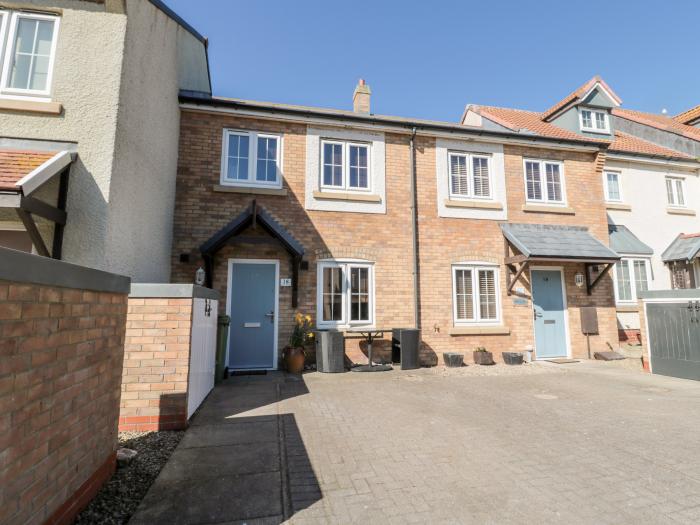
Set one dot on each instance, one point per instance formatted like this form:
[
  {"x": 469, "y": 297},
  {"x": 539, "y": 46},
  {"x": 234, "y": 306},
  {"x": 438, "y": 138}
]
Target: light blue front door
[
  {"x": 548, "y": 309},
  {"x": 252, "y": 332}
]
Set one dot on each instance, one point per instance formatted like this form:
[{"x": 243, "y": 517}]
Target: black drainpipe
[{"x": 414, "y": 225}]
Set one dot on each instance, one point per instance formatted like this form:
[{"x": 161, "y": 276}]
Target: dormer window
[
  {"x": 28, "y": 54},
  {"x": 595, "y": 121}
]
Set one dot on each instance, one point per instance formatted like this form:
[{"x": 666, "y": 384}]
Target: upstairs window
[
  {"x": 475, "y": 294},
  {"x": 631, "y": 277},
  {"x": 28, "y": 56},
  {"x": 470, "y": 176},
  {"x": 675, "y": 192},
  {"x": 544, "y": 182},
  {"x": 251, "y": 159},
  {"x": 345, "y": 166},
  {"x": 612, "y": 186},
  {"x": 596, "y": 121}
]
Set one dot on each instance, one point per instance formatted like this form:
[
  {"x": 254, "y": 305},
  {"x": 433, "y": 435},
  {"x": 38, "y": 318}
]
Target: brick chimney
[{"x": 360, "y": 98}]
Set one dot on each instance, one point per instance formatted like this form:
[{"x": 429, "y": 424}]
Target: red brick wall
[
  {"x": 386, "y": 238},
  {"x": 156, "y": 364},
  {"x": 60, "y": 369}
]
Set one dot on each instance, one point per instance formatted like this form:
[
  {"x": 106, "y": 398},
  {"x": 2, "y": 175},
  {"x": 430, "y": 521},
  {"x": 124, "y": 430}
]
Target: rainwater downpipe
[{"x": 414, "y": 227}]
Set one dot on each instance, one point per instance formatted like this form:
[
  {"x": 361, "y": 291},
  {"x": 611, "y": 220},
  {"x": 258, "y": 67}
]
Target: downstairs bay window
[
  {"x": 345, "y": 294},
  {"x": 475, "y": 295},
  {"x": 631, "y": 277}
]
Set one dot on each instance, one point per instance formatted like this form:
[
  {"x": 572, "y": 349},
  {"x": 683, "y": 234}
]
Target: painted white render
[
  {"x": 643, "y": 189},
  {"x": 117, "y": 73}
]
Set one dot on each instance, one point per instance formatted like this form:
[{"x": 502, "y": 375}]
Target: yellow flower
[{"x": 308, "y": 318}]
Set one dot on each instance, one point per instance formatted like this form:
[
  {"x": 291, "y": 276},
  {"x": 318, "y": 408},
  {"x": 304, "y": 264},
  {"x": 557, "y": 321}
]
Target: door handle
[{"x": 271, "y": 315}]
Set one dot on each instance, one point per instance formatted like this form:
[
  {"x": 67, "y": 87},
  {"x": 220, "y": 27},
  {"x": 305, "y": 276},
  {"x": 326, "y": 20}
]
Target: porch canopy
[
  {"x": 684, "y": 248},
  {"x": 253, "y": 216},
  {"x": 24, "y": 172},
  {"x": 532, "y": 243},
  {"x": 623, "y": 241}
]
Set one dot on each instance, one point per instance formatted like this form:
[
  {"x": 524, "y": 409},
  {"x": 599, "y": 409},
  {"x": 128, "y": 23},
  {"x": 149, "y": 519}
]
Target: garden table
[{"x": 369, "y": 334}]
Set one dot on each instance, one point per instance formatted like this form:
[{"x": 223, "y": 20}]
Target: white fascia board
[
  {"x": 41, "y": 175},
  {"x": 527, "y": 140},
  {"x": 691, "y": 165}
]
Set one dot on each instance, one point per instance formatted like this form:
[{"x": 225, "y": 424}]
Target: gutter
[{"x": 414, "y": 227}]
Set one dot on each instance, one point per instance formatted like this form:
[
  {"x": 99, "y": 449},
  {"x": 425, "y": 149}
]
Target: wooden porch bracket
[
  {"x": 513, "y": 273},
  {"x": 590, "y": 285}
]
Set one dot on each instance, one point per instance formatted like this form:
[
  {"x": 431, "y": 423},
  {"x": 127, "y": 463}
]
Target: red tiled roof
[
  {"x": 688, "y": 116},
  {"x": 518, "y": 119},
  {"x": 578, "y": 94},
  {"x": 661, "y": 122},
  {"x": 689, "y": 235},
  {"x": 16, "y": 164},
  {"x": 625, "y": 143}
]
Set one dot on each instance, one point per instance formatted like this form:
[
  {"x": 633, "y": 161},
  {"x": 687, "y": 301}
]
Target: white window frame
[
  {"x": 674, "y": 191},
  {"x": 543, "y": 182},
  {"x": 633, "y": 279},
  {"x": 7, "y": 49},
  {"x": 346, "y": 265},
  {"x": 470, "y": 175},
  {"x": 593, "y": 127},
  {"x": 619, "y": 185},
  {"x": 475, "y": 266},
  {"x": 251, "y": 181},
  {"x": 345, "y": 162}
]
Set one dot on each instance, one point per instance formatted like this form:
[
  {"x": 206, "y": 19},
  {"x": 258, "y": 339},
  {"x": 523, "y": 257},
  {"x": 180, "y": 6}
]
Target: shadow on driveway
[{"x": 240, "y": 460}]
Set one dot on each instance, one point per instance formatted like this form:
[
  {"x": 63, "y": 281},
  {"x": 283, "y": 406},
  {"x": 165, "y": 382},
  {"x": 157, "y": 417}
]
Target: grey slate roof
[
  {"x": 622, "y": 240},
  {"x": 685, "y": 247},
  {"x": 557, "y": 242}
]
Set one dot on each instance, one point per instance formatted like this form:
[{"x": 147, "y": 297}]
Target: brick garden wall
[
  {"x": 61, "y": 352},
  {"x": 156, "y": 364}
]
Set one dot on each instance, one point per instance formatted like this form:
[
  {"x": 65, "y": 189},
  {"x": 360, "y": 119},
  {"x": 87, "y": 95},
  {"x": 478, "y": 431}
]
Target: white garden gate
[{"x": 202, "y": 352}]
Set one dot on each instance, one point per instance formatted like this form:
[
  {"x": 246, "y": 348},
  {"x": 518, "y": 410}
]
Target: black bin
[
  {"x": 405, "y": 343},
  {"x": 330, "y": 351}
]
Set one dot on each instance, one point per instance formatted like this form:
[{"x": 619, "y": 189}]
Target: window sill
[
  {"x": 346, "y": 196},
  {"x": 680, "y": 211},
  {"x": 31, "y": 106},
  {"x": 250, "y": 190},
  {"x": 618, "y": 206},
  {"x": 548, "y": 208},
  {"x": 596, "y": 131},
  {"x": 479, "y": 330},
  {"x": 475, "y": 204},
  {"x": 627, "y": 308}
]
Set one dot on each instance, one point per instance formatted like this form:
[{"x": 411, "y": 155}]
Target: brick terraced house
[{"x": 492, "y": 232}]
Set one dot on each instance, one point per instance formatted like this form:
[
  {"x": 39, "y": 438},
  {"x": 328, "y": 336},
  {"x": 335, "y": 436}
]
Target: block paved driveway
[{"x": 580, "y": 443}]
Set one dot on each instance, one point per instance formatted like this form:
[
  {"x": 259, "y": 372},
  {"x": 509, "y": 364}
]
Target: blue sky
[{"x": 429, "y": 59}]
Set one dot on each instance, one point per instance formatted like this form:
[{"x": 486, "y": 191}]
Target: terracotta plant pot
[
  {"x": 294, "y": 360},
  {"x": 483, "y": 358}
]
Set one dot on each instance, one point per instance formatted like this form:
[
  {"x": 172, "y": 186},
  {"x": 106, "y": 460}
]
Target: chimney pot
[{"x": 361, "y": 97}]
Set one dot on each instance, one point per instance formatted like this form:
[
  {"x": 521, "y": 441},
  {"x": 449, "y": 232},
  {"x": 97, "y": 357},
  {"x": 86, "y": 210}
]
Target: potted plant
[
  {"x": 294, "y": 354},
  {"x": 482, "y": 357}
]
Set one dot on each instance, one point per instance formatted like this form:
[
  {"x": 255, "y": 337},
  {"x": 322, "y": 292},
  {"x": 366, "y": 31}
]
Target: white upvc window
[
  {"x": 345, "y": 294},
  {"x": 611, "y": 182},
  {"x": 675, "y": 192},
  {"x": 251, "y": 159},
  {"x": 470, "y": 175},
  {"x": 596, "y": 121},
  {"x": 631, "y": 277},
  {"x": 27, "y": 53},
  {"x": 345, "y": 165},
  {"x": 475, "y": 294},
  {"x": 544, "y": 182}
]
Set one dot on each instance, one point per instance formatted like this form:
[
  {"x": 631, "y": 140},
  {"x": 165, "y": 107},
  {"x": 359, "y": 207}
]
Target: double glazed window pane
[
  {"x": 332, "y": 294},
  {"x": 587, "y": 119},
  {"x": 238, "y": 153},
  {"x": 32, "y": 54},
  {"x": 624, "y": 286},
  {"x": 359, "y": 294},
  {"x": 459, "y": 176},
  {"x": 613, "y": 183},
  {"x": 267, "y": 159},
  {"x": 533, "y": 181},
  {"x": 600, "y": 120},
  {"x": 680, "y": 200},
  {"x": 332, "y": 164},
  {"x": 674, "y": 192},
  {"x": 359, "y": 167},
  {"x": 640, "y": 276},
  {"x": 480, "y": 169},
  {"x": 553, "y": 182},
  {"x": 464, "y": 295}
]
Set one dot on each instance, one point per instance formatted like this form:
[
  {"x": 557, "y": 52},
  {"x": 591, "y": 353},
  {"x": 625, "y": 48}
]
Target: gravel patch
[{"x": 121, "y": 495}]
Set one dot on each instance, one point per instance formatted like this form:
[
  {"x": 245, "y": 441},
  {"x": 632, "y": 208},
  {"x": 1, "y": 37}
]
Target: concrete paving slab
[{"x": 240, "y": 431}]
